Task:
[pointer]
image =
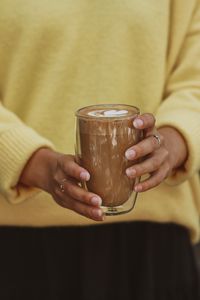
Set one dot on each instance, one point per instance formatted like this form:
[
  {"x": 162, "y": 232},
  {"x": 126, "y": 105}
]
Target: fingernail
[
  {"x": 130, "y": 154},
  {"x": 96, "y": 201},
  {"x": 85, "y": 175},
  {"x": 138, "y": 188},
  {"x": 130, "y": 172},
  {"x": 97, "y": 213},
  {"x": 138, "y": 123}
]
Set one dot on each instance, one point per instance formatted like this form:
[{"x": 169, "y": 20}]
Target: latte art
[{"x": 108, "y": 113}]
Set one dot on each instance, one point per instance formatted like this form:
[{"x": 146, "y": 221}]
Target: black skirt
[{"x": 128, "y": 261}]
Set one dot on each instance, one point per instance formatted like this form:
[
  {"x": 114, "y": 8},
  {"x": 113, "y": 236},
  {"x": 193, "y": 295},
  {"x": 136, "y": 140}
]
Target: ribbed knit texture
[
  {"x": 16, "y": 147},
  {"x": 58, "y": 56}
]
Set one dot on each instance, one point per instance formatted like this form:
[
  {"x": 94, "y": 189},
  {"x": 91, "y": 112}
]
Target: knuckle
[
  {"x": 55, "y": 178},
  {"x": 87, "y": 212},
  {"x": 163, "y": 176},
  {"x": 139, "y": 149},
  {"x": 68, "y": 166},
  {"x": 139, "y": 170},
  {"x": 85, "y": 197},
  {"x": 165, "y": 153},
  {"x": 90, "y": 213},
  {"x": 155, "y": 163},
  {"x": 150, "y": 118},
  {"x": 168, "y": 171},
  {"x": 156, "y": 180},
  {"x": 161, "y": 139},
  {"x": 146, "y": 185},
  {"x": 68, "y": 188},
  {"x": 81, "y": 209},
  {"x": 61, "y": 160},
  {"x": 74, "y": 170},
  {"x": 168, "y": 168}
]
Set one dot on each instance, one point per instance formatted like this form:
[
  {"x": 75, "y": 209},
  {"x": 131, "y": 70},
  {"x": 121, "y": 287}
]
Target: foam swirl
[{"x": 108, "y": 113}]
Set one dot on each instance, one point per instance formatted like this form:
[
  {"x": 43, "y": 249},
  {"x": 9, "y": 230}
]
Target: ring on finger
[
  {"x": 61, "y": 185},
  {"x": 157, "y": 138}
]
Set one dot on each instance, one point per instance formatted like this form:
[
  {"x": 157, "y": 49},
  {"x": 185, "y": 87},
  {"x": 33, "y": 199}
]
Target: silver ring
[
  {"x": 157, "y": 138},
  {"x": 61, "y": 185}
]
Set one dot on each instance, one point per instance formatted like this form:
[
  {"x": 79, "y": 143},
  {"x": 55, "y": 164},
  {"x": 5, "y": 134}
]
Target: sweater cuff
[
  {"x": 17, "y": 145},
  {"x": 187, "y": 123}
]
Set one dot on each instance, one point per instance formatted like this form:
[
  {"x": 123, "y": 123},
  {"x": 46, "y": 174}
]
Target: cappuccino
[{"x": 104, "y": 133}]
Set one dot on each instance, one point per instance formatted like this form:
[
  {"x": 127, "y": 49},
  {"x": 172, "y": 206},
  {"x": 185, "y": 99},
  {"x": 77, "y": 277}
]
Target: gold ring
[{"x": 61, "y": 185}]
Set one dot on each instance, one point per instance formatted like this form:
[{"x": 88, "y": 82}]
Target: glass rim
[{"x": 78, "y": 112}]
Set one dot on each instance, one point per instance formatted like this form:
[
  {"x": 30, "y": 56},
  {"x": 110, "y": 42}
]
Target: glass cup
[{"x": 103, "y": 134}]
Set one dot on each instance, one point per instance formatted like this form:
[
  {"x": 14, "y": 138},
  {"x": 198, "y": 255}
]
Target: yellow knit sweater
[{"x": 56, "y": 56}]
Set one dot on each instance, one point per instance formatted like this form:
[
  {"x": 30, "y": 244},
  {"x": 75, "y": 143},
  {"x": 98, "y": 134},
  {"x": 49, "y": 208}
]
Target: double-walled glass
[{"x": 103, "y": 134}]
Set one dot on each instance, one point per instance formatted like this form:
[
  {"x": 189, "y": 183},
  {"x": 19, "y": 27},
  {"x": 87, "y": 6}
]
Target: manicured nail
[
  {"x": 130, "y": 154},
  {"x": 130, "y": 172},
  {"x": 97, "y": 213},
  {"x": 84, "y": 175},
  {"x": 96, "y": 201},
  {"x": 138, "y": 188},
  {"x": 138, "y": 123}
]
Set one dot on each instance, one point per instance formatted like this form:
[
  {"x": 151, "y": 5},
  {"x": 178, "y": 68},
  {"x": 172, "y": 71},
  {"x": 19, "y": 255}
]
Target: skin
[{"x": 46, "y": 168}]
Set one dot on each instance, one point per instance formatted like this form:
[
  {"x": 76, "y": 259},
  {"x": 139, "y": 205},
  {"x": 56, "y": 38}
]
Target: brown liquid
[{"x": 102, "y": 143}]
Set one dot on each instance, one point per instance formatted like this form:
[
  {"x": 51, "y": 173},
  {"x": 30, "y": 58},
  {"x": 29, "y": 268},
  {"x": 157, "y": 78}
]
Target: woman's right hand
[{"x": 59, "y": 175}]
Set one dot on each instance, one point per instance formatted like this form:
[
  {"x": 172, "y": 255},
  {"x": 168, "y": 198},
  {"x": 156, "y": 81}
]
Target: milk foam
[{"x": 108, "y": 113}]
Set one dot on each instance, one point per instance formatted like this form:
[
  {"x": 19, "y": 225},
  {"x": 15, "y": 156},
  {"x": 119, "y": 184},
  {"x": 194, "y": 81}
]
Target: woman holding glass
[{"x": 55, "y": 58}]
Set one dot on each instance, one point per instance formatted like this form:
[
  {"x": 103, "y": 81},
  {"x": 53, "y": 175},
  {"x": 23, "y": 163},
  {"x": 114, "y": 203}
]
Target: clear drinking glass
[{"x": 103, "y": 134}]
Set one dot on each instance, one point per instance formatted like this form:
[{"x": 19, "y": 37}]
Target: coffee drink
[{"x": 104, "y": 133}]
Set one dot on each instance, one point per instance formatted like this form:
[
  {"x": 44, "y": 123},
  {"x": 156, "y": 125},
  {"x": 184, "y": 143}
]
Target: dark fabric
[{"x": 138, "y": 261}]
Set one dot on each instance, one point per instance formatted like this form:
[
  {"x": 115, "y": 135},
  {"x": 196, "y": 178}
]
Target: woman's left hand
[{"x": 162, "y": 150}]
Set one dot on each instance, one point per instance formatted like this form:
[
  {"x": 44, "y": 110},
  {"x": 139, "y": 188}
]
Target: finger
[
  {"x": 154, "y": 180},
  {"x": 72, "y": 169},
  {"x": 85, "y": 210},
  {"x": 149, "y": 165},
  {"x": 145, "y": 121},
  {"x": 78, "y": 193},
  {"x": 143, "y": 148}
]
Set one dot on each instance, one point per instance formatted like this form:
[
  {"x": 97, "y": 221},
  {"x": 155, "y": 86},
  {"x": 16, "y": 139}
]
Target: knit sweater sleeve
[
  {"x": 181, "y": 106},
  {"x": 18, "y": 142}
]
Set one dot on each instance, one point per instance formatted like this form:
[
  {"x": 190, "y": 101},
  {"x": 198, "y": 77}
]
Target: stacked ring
[{"x": 61, "y": 185}]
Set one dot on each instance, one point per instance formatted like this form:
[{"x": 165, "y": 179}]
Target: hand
[
  {"x": 59, "y": 175},
  {"x": 158, "y": 160}
]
